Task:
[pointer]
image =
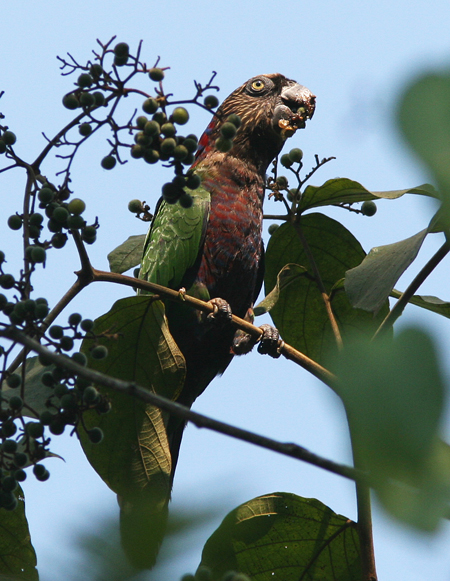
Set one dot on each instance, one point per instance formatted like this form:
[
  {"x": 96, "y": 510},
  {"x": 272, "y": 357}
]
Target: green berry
[
  {"x": 59, "y": 240},
  {"x": 193, "y": 181},
  {"x": 9, "y": 484},
  {"x": 8, "y": 500},
  {"x": 152, "y": 128},
  {"x": 15, "y": 222},
  {"x": 285, "y": 160},
  {"x": 99, "y": 352},
  {"x": 20, "y": 475},
  {"x": 9, "y": 428},
  {"x": 9, "y": 138},
  {"x": 180, "y": 116},
  {"x": 75, "y": 222},
  {"x": 203, "y": 574},
  {"x": 15, "y": 402},
  {"x": 89, "y": 234},
  {"x": 190, "y": 144},
  {"x": 41, "y": 472},
  {"x": 41, "y": 311},
  {"x": 69, "y": 402},
  {"x": 272, "y": 228},
  {"x": 87, "y": 325},
  {"x": 46, "y": 195},
  {"x": 37, "y": 254},
  {"x": 228, "y": 130},
  {"x": 120, "y": 61},
  {"x": 84, "y": 80},
  {"x": 122, "y": 49},
  {"x": 108, "y": 162},
  {"x": 180, "y": 153},
  {"x": 235, "y": 119},
  {"x": 36, "y": 219},
  {"x": 35, "y": 429},
  {"x": 211, "y": 101},
  {"x": 160, "y": 117},
  {"x": 56, "y": 332},
  {"x": 167, "y": 146},
  {"x": 151, "y": 156},
  {"x": 87, "y": 100},
  {"x": 135, "y": 206},
  {"x": 9, "y": 446},
  {"x": 223, "y": 144},
  {"x": 60, "y": 214},
  {"x": 369, "y": 208},
  {"x": 66, "y": 343},
  {"x": 95, "y": 435},
  {"x": 90, "y": 395},
  {"x": 282, "y": 182},
  {"x": 96, "y": 71},
  {"x": 141, "y": 121},
  {"x": 44, "y": 360},
  {"x": 99, "y": 98},
  {"x": 137, "y": 151},
  {"x": 156, "y": 74},
  {"x": 14, "y": 380},
  {"x": 46, "y": 417},
  {"x": 168, "y": 129},
  {"x": 186, "y": 201},
  {"x": 70, "y": 101},
  {"x": 150, "y": 106},
  {"x": 2, "y": 146},
  {"x": 296, "y": 155},
  {"x": 74, "y": 319},
  {"x": 7, "y": 281},
  {"x": 20, "y": 459},
  {"x": 80, "y": 358},
  {"x": 57, "y": 426},
  {"x": 85, "y": 129},
  {"x": 76, "y": 206}
]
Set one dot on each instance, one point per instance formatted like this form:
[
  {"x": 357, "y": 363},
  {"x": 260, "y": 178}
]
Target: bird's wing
[{"x": 174, "y": 241}]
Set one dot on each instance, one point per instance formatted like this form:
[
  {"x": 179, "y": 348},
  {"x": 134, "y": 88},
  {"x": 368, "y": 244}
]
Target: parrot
[{"x": 213, "y": 250}]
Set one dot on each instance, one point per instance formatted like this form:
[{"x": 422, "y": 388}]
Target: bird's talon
[
  {"x": 270, "y": 342},
  {"x": 182, "y": 293},
  {"x": 222, "y": 311}
]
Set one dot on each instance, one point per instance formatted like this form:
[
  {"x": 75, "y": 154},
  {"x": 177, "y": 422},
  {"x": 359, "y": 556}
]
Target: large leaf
[
  {"x": 300, "y": 312},
  {"x": 284, "y": 537},
  {"x": 127, "y": 255},
  {"x": 17, "y": 556},
  {"x": 370, "y": 283},
  {"x": 345, "y": 191},
  {"x": 393, "y": 392},
  {"x": 141, "y": 349},
  {"x": 286, "y": 276}
]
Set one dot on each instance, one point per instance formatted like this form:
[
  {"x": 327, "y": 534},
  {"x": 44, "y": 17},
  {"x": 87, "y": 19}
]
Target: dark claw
[
  {"x": 222, "y": 312},
  {"x": 270, "y": 342}
]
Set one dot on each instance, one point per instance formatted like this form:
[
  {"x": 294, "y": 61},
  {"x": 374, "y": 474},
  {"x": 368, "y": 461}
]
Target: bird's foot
[
  {"x": 222, "y": 312},
  {"x": 269, "y": 343}
]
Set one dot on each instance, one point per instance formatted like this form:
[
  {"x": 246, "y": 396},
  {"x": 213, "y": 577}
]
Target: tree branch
[{"x": 201, "y": 421}]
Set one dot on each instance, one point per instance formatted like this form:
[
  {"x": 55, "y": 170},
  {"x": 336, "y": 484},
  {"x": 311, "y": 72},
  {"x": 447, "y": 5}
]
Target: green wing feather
[{"x": 174, "y": 240}]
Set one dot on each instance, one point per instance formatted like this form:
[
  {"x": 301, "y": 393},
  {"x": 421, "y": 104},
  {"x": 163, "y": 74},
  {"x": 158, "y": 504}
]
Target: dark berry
[
  {"x": 59, "y": 240},
  {"x": 235, "y": 119},
  {"x": 122, "y": 49},
  {"x": 150, "y": 106},
  {"x": 84, "y": 80},
  {"x": 108, "y": 162},
  {"x": 15, "y": 222},
  {"x": 211, "y": 101},
  {"x": 41, "y": 472},
  {"x": 296, "y": 155},
  {"x": 228, "y": 130},
  {"x": 9, "y": 138},
  {"x": 369, "y": 208},
  {"x": 156, "y": 74},
  {"x": 135, "y": 206},
  {"x": 14, "y": 380},
  {"x": 285, "y": 160},
  {"x": 87, "y": 325},
  {"x": 85, "y": 129},
  {"x": 95, "y": 435},
  {"x": 223, "y": 144},
  {"x": 74, "y": 319},
  {"x": 99, "y": 352}
]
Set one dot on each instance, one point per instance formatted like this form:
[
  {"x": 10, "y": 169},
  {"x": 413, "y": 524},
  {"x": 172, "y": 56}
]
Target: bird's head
[{"x": 271, "y": 109}]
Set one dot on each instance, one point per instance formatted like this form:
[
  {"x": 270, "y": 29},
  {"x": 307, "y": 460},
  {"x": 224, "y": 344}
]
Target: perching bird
[{"x": 214, "y": 248}]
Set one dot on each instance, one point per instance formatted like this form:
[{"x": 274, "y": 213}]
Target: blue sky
[{"x": 357, "y": 58}]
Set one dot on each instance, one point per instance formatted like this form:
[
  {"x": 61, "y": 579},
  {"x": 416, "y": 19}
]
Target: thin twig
[{"x": 201, "y": 421}]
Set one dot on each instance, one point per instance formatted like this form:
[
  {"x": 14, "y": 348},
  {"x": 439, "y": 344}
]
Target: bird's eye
[{"x": 258, "y": 85}]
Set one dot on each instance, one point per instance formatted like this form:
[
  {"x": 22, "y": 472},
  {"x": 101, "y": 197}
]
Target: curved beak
[{"x": 297, "y": 104}]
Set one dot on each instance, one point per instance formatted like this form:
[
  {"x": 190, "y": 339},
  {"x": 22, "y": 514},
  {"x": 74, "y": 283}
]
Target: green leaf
[
  {"x": 300, "y": 313},
  {"x": 393, "y": 392},
  {"x": 427, "y": 302},
  {"x": 134, "y": 451},
  {"x": 287, "y": 275},
  {"x": 127, "y": 255},
  {"x": 345, "y": 191},
  {"x": 17, "y": 556},
  {"x": 284, "y": 537},
  {"x": 424, "y": 118},
  {"x": 36, "y": 394},
  {"x": 369, "y": 284}
]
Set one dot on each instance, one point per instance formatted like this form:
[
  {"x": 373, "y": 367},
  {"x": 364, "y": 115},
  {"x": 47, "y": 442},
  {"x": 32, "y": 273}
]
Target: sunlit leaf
[
  {"x": 393, "y": 392},
  {"x": 127, "y": 255},
  {"x": 17, "y": 556},
  {"x": 284, "y": 537},
  {"x": 345, "y": 191},
  {"x": 368, "y": 285},
  {"x": 300, "y": 312}
]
